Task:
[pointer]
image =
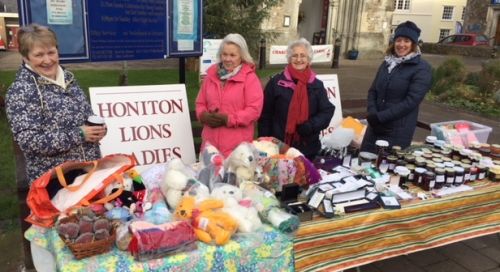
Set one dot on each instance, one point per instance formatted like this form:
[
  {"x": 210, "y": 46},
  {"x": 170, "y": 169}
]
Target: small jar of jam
[
  {"x": 381, "y": 162},
  {"x": 465, "y": 161},
  {"x": 459, "y": 175},
  {"x": 367, "y": 159},
  {"x": 437, "y": 160},
  {"x": 440, "y": 178},
  {"x": 411, "y": 176},
  {"x": 473, "y": 173},
  {"x": 450, "y": 176},
  {"x": 430, "y": 140},
  {"x": 419, "y": 172},
  {"x": 466, "y": 172},
  {"x": 395, "y": 149},
  {"x": 428, "y": 180},
  {"x": 494, "y": 173},
  {"x": 400, "y": 162},
  {"x": 391, "y": 159},
  {"x": 403, "y": 174},
  {"x": 481, "y": 172},
  {"x": 410, "y": 159}
]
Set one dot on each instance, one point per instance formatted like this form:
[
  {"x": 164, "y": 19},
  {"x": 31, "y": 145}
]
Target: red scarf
[{"x": 298, "y": 111}]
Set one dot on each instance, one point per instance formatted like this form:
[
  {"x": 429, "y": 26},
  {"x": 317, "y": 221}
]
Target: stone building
[
  {"x": 362, "y": 25},
  {"x": 483, "y": 16}
]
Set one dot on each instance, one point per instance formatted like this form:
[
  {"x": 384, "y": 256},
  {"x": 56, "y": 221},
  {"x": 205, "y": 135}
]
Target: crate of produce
[{"x": 461, "y": 132}]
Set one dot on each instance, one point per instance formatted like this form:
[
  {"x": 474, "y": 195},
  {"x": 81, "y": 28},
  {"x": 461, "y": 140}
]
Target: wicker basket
[{"x": 84, "y": 250}]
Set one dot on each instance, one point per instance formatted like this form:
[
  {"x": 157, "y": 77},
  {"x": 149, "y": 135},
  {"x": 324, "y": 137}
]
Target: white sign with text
[
  {"x": 151, "y": 122},
  {"x": 332, "y": 90},
  {"x": 209, "y": 57},
  {"x": 321, "y": 53}
]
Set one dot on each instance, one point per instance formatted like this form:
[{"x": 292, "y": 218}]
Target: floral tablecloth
[{"x": 268, "y": 250}]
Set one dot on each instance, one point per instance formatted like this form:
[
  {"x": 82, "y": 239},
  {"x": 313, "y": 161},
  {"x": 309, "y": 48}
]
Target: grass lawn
[{"x": 86, "y": 79}]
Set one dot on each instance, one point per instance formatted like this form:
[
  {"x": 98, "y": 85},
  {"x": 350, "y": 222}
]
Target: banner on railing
[{"x": 321, "y": 53}]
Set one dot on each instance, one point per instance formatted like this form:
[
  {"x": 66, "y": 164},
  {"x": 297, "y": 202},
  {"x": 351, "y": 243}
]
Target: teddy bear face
[
  {"x": 185, "y": 208},
  {"x": 242, "y": 155},
  {"x": 227, "y": 191}
]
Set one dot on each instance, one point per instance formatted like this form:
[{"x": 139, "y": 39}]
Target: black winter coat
[
  {"x": 277, "y": 97},
  {"x": 395, "y": 99}
]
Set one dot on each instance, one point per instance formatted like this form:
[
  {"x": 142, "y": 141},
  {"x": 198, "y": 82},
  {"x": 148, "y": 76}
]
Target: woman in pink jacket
[{"x": 230, "y": 99}]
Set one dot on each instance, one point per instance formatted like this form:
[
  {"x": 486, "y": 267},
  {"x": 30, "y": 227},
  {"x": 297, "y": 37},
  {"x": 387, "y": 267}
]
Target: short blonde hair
[
  {"x": 300, "y": 42},
  {"x": 29, "y": 35},
  {"x": 238, "y": 40}
]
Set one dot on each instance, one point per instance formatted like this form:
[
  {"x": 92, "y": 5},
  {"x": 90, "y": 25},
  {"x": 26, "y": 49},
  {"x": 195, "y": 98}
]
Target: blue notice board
[
  {"x": 110, "y": 30},
  {"x": 185, "y": 28},
  {"x": 66, "y": 19}
]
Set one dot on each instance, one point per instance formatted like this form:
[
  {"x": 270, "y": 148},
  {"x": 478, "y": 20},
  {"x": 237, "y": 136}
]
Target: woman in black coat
[
  {"x": 296, "y": 107},
  {"x": 399, "y": 87}
]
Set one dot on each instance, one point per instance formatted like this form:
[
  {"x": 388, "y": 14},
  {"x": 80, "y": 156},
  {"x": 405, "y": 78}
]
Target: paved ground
[{"x": 475, "y": 255}]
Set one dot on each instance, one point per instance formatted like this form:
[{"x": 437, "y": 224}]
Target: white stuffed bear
[
  {"x": 176, "y": 179},
  {"x": 240, "y": 209},
  {"x": 241, "y": 164}
]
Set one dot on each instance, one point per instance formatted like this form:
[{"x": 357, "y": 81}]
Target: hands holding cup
[{"x": 94, "y": 129}]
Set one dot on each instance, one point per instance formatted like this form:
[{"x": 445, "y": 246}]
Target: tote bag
[{"x": 82, "y": 192}]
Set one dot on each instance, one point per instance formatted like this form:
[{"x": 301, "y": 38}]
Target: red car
[{"x": 467, "y": 39}]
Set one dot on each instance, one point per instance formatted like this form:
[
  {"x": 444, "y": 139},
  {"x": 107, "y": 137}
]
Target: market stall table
[
  {"x": 365, "y": 237},
  {"x": 269, "y": 250}
]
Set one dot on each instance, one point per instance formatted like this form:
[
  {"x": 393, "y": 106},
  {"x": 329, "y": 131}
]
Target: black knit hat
[{"x": 409, "y": 30}]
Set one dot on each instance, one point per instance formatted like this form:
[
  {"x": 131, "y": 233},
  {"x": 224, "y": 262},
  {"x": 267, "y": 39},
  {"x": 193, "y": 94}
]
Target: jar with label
[
  {"x": 391, "y": 160},
  {"x": 466, "y": 172},
  {"x": 410, "y": 158},
  {"x": 404, "y": 174},
  {"x": 430, "y": 140},
  {"x": 473, "y": 173},
  {"x": 481, "y": 172},
  {"x": 450, "y": 176},
  {"x": 465, "y": 161},
  {"x": 449, "y": 164},
  {"x": 400, "y": 162},
  {"x": 395, "y": 149},
  {"x": 381, "y": 162},
  {"x": 437, "y": 160},
  {"x": 420, "y": 162},
  {"x": 459, "y": 175},
  {"x": 367, "y": 159},
  {"x": 446, "y": 159},
  {"x": 411, "y": 176},
  {"x": 440, "y": 178},
  {"x": 430, "y": 166},
  {"x": 419, "y": 172},
  {"x": 494, "y": 173},
  {"x": 446, "y": 153},
  {"x": 428, "y": 180}
]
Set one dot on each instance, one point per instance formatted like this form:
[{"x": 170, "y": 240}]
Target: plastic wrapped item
[
  {"x": 151, "y": 241},
  {"x": 212, "y": 166},
  {"x": 269, "y": 209},
  {"x": 237, "y": 207}
]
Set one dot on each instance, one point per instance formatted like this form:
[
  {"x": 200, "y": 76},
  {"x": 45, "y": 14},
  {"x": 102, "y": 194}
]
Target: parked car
[{"x": 467, "y": 39}]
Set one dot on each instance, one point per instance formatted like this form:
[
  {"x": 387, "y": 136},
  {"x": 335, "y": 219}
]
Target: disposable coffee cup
[{"x": 94, "y": 120}]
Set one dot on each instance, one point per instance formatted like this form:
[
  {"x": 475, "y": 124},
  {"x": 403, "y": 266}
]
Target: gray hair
[
  {"x": 238, "y": 40},
  {"x": 300, "y": 42},
  {"x": 29, "y": 35}
]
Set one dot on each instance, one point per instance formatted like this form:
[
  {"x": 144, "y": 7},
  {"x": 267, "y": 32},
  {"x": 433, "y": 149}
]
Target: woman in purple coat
[{"x": 399, "y": 87}]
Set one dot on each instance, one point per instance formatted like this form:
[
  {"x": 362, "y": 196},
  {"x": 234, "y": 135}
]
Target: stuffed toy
[
  {"x": 240, "y": 165},
  {"x": 269, "y": 209},
  {"x": 176, "y": 180},
  {"x": 213, "y": 166},
  {"x": 240, "y": 209},
  {"x": 159, "y": 213},
  {"x": 209, "y": 225}
]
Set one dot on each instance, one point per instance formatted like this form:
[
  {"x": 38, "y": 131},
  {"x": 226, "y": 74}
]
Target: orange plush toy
[{"x": 209, "y": 225}]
